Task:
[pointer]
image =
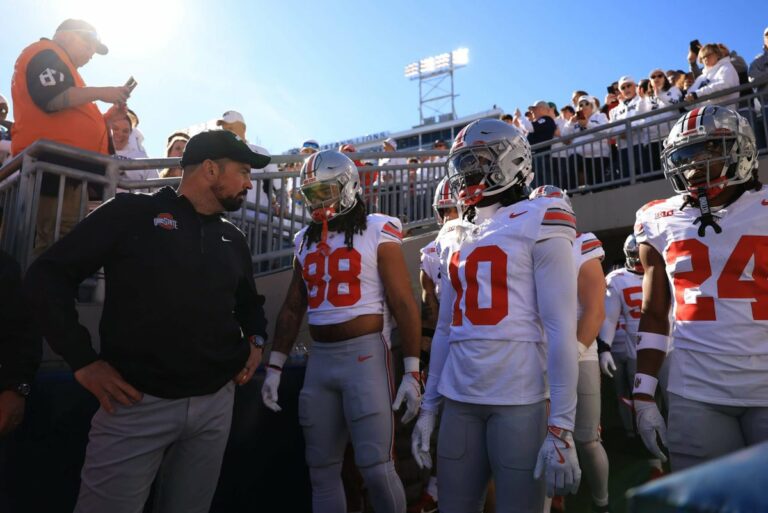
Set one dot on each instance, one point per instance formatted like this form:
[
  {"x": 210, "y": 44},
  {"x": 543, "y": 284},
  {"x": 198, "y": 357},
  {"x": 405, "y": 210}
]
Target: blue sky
[{"x": 334, "y": 70}]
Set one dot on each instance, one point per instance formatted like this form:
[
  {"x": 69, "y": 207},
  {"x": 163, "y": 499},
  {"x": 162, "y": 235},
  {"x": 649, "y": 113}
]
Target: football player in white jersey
[
  {"x": 349, "y": 272},
  {"x": 587, "y": 254},
  {"x": 506, "y": 326},
  {"x": 705, "y": 251},
  {"x": 444, "y": 207},
  {"x": 623, "y": 298}
]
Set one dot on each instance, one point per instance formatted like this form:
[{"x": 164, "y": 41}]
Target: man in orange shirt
[{"x": 51, "y": 101}]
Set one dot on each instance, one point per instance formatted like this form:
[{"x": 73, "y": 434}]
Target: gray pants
[
  {"x": 586, "y": 431},
  {"x": 183, "y": 439},
  {"x": 623, "y": 378},
  {"x": 348, "y": 393},
  {"x": 477, "y": 442},
  {"x": 699, "y": 432}
]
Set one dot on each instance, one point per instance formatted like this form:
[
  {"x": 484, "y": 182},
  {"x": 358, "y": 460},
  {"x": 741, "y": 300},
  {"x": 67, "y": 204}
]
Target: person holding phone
[{"x": 51, "y": 101}]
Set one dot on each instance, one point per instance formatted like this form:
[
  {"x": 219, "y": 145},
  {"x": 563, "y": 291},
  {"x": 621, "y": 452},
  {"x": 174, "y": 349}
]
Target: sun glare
[{"x": 132, "y": 27}]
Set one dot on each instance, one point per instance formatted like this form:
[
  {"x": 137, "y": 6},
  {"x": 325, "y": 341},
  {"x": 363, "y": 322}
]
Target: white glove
[
  {"x": 607, "y": 365},
  {"x": 649, "y": 424},
  {"x": 422, "y": 432},
  {"x": 410, "y": 390},
  {"x": 558, "y": 463},
  {"x": 272, "y": 381}
]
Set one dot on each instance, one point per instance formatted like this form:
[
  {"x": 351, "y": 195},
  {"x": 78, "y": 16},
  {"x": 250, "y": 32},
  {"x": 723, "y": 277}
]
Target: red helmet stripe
[
  {"x": 692, "y": 119},
  {"x": 311, "y": 167}
]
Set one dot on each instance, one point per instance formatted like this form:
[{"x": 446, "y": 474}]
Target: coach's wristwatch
[
  {"x": 256, "y": 341},
  {"x": 23, "y": 389}
]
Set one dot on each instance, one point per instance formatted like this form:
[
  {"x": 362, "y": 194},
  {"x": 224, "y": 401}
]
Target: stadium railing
[
  {"x": 269, "y": 220},
  {"x": 629, "y": 151},
  {"x": 608, "y": 156}
]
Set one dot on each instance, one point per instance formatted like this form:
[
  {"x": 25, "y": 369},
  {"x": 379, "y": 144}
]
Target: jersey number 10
[{"x": 499, "y": 306}]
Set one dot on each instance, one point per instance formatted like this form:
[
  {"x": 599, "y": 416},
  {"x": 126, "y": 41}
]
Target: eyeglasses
[
  {"x": 657, "y": 75},
  {"x": 627, "y": 86}
]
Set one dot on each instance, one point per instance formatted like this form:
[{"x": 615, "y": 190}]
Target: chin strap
[
  {"x": 706, "y": 218},
  {"x": 321, "y": 215}
]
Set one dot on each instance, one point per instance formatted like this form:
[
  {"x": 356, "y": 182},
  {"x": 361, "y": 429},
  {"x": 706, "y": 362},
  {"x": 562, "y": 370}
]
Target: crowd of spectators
[
  {"x": 61, "y": 99},
  {"x": 579, "y": 160}
]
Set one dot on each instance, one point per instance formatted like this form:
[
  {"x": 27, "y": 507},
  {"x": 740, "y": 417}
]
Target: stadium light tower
[{"x": 434, "y": 93}]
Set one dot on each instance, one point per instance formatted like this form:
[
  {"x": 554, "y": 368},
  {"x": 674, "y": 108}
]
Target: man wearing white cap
[
  {"x": 630, "y": 105},
  {"x": 262, "y": 194}
]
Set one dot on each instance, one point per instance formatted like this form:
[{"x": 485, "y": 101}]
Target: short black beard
[{"x": 232, "y": 204}]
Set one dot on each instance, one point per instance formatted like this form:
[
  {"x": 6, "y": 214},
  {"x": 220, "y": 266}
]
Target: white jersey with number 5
[
  {"x": 345, "y": 283},
  {"x": 719, "y": 286},
  {"x": 623, "y": 299}
]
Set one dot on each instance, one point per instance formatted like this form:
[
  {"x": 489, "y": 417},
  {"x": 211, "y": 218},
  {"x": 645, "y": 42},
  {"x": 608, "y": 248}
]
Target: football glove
[
  {"x": 649, "y": 424},
  {"x": 558, "y": 463},
  {"x": 410, "y": 390},
  {"x": 607, "y": 365},
  {"x": 422, "y": 433}
]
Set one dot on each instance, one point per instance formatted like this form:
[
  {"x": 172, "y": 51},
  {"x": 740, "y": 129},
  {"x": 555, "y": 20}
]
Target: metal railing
[
  {"x": 50, "y": 187},
  {"x": 35, "y": 210},
  {"x": 629, "y": 151}
]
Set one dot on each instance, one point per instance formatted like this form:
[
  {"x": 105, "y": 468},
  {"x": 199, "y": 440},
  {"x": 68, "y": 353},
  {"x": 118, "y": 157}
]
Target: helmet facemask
[
  {"x": 708, "y": 150},
  {"x": 632, "y": 255},
  {"x": 443, "y": 200},
  {"x": 703, "y": 166},
  {"x": 475, "y": 172}
]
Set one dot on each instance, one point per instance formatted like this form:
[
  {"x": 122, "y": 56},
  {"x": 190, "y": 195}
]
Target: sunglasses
[
  {"x": 657, "y": 75},
  {"x": 706, "y": 55},
  {"x": 627, "y": 86},
  {"x": 584, "y": 104}
]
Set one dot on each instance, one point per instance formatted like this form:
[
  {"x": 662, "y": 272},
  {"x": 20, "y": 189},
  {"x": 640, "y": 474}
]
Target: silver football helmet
[
  {"x": 549, "y": 191},
  {"x": 330, "y": 184},
  {"x": 708, "y": 149},
  {"x": 443, "y": 199},
  {"x": 488, "y": 156},
  {"x": 632, "y": 254}
]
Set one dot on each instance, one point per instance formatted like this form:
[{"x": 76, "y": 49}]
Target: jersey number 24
[{"x": 729, "y": 285}]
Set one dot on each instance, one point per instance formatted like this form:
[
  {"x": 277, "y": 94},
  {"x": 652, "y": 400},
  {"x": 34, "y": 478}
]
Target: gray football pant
[
  {"x": 623, "y": 377},
  {"x": 586, "y": 432},
  {"x": 182, "y": 438},
  {"x": 347, "y": 393},
  {"x": 699, "y": 431},
  {"x": 477, "y": 442}
]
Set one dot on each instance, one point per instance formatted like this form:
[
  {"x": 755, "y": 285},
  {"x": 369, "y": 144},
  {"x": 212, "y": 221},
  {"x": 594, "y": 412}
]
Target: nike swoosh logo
[
  {"x": 514, "y": 215},
  {"x": 559, "y": 454},
  {"x": 364, "y": 358},
  {"x": 224, "y": 239}
]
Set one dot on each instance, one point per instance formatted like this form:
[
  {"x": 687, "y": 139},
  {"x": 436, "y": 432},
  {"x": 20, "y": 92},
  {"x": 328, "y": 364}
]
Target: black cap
[
  {"x": 85, "y": 28},
  {"x": 221, "y": 144}
]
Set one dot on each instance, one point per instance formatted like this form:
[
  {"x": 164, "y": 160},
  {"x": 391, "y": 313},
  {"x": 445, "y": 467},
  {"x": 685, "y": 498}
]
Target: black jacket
[
  {"x": 179, "y": 288},
  {"x": 20, "y": 346}
]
